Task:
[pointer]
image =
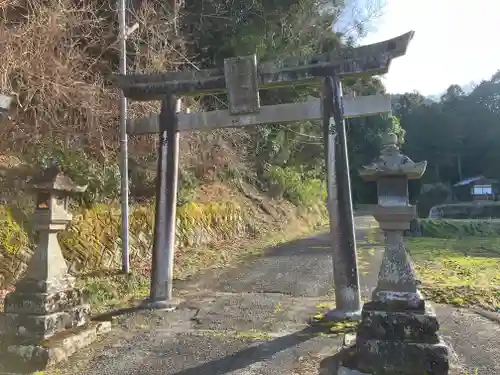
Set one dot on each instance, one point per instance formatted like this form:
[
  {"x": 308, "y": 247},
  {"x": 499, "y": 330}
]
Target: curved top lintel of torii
[{"x": 372, "y": 59}]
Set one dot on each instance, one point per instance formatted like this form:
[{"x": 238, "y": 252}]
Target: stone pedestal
[
  {"x": 398, "y": 333},
  {"x": 45, "y": 309},
  {"x": 31, "y": 317},
  {"x": 400, "y": 341}
]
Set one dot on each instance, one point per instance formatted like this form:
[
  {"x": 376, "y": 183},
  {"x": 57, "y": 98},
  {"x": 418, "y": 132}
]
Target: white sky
[{"x": 456, "y": 41}]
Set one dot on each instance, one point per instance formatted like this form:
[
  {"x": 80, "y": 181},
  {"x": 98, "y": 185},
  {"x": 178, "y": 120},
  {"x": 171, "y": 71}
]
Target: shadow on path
[{"x": 253, "y": 354}]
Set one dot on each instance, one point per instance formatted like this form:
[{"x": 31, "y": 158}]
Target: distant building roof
[{"x": 477, "y": 179}]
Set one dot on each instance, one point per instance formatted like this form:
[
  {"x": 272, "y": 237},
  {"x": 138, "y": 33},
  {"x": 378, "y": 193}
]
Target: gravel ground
[{"x": 253, "y": 320}]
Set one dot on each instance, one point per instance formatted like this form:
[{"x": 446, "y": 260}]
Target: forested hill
[
  {"x": 57, "y": 56},
  {"x": 395, "y": 98},
  {"x": 459, "y": 136}
]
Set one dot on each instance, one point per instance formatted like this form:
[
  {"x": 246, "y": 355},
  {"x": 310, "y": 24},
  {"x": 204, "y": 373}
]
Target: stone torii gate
[{"x": 242, "y": 78}]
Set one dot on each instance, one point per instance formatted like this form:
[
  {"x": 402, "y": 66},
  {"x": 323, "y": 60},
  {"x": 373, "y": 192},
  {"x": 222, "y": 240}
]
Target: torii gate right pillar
[{"x": 342, "y": 231}]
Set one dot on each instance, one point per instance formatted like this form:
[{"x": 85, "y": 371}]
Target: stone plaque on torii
[{"x": 242, "y": 78}]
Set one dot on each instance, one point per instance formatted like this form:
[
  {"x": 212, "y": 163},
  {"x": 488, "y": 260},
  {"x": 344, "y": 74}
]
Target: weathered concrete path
[{"x": 253, "y": 320}]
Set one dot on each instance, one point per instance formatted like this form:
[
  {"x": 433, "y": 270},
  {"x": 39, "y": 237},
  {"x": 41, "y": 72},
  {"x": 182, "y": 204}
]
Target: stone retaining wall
[{"x": 93, "y": 242}]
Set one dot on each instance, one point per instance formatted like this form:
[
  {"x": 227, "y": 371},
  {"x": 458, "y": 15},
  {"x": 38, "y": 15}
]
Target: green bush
[
  {"x": 103, "y": 179},
  {"x": 296, "y": 186},
  {"x": 459, "y": 228},
  {"x": 187, "y": 187}
]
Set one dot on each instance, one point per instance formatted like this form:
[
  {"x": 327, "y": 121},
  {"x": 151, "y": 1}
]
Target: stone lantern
[
  {"x": 398, "y": 332},
  {"x": 47, "y": 270},
  {"x": 45, "y": 302}
]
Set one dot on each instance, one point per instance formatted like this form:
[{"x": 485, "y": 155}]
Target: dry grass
[
  {"x": 55, "y": 58},
  {"x": 209, "y": 153}
]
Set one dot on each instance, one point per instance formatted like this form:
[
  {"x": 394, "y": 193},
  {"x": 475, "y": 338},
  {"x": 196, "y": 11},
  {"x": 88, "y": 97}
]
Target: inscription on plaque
[{"x": 242, "y": 84}]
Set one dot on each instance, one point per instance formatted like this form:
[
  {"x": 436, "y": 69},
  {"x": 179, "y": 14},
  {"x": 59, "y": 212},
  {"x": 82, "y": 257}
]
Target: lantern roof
[
  {"x": 392, "y": 162},
  {"x": 54, "y": 179}
]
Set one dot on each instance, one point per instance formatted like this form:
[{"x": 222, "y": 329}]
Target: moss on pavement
[{"x": 459, "y": 271}]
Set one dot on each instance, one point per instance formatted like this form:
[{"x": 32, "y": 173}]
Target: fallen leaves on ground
[
  {"x": 333, "y": 327},
  {"x": 463, "y": 272},
  {"x": 464, "y": 295}
]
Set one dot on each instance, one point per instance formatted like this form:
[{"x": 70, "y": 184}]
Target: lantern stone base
[
  {"x": 21, "y": 301},
  {"x": 396, "y": 341},
  {"x": 33, "y": 328},
  {"x": 23, "y": 357},
  {"x": 40, "y": 329},
  {"x": 31, "y": 317}
]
